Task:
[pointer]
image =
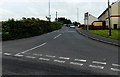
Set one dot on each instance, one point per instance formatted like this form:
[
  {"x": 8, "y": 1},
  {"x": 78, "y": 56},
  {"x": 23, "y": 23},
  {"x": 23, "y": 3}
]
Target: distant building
[
  {"x": 98, "y": 25},
  {"x": 90, "y": 19},
  {"x": 114, "y": 15}
]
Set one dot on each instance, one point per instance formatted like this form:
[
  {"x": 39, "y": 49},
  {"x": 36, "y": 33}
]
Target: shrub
[{"x": 27, "y": 27}]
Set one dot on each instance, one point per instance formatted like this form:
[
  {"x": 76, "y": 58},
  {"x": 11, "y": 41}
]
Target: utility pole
[
  {"x": 109, "y": 21},
  {"x": 77, "y": 14},
  {"x": 49, "y": 12},
  {"x": 56, "y": 17},
  {"x": 49, "y": 16}
]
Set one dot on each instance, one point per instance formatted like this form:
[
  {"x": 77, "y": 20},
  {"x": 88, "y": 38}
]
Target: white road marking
[
  {"x": 64, "y": 58},
  {"x": 50, "y": 56},
  {"x": 30, "y": 57},
  {"x": 93, "y": 66},
  {"x": 104, "y": 63},
  {"x": 7, "y": 54},
  {"x": 75, "y": 63},
  {"x": 114, "y": 69},
  {"x": 81, "y": 60},
  {"x": 116, "y": 65},
  {"x": 57, "y": 36},
  {"x": 38, "y": 54},
  {"x": 32, "y": 48},
  {"x": 59, "y": 61},
  {"x": 46, "y": 59},
  {"x": 18, "y": 55}
]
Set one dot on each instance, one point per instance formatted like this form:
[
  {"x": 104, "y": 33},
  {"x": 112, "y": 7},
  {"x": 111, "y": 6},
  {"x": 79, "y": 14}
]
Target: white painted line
[
  {"x": 38, "y": 54},
  {"x": 114, "y": 69},
  {"x": 30, "y": 57},
  {"x": 7, "y": 54},
  {"x": 50, "y": 56},
  {"x": 57, "y": 36},
  {"x": 46, "y": 59},
  {"x": 81, "y": 60},
  {"x": 18, "y": 55},
  {"x": 117, "y": 65},
  {"x": 93, "y": 66},
  {"x": 75, "y": 63},
  {"x": 104, "y": 63},
  {"x": 32, "y": 48},
  {"x": 67, "y": 58},
  {"x": 59, "y": 61}
]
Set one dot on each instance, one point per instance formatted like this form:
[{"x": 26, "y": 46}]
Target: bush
[{"x": 27, "y": 27}]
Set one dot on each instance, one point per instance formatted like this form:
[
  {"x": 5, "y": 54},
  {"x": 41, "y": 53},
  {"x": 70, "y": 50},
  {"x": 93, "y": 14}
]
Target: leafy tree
[{"x": 76, "y": 23}]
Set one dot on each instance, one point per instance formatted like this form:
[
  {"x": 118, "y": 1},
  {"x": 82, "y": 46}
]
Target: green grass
[{"x": 105, "y": 33}]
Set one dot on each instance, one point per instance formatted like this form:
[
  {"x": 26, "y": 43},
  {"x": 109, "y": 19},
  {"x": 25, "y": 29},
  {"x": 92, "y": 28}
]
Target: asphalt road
[{"x": 62, "y": 52}]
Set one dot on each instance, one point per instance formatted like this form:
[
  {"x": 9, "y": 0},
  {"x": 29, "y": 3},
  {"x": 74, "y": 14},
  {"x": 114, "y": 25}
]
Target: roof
[
  {"x": 104, "y": 12},
  {"x": 107, "y": 9}
]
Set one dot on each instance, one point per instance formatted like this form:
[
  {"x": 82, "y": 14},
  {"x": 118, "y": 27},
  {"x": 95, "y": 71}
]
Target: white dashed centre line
[
  {"x": 104, "y": 63},
  {"x": 38, "y": 54},
  {"x": 59, "y": 61},
  {"x": 75, "y": 63},
  {"x": 32, "y": 48},
  {"x": 81, "y": 60},
  {"x": 18, "y": 55},
  {"x": 46, "y": 59},
  {"x": 114, "y": 69},
  {"x": 116, "y": 65},
  {"x": 57, "y": 36},
  {"x": 30, "y": 57},
  {"x": 50, "y": 56},
  {"x": 64, "y": 58},
  {"x": 7, "y": 54},
  {"x": 99, "y": 67}
]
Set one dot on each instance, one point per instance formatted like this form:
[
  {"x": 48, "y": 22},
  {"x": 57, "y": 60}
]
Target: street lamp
[
  {"x": 109, "y": 21},
  {"x": 49, "y": 11},
  {"x": 49, "y": 16}
]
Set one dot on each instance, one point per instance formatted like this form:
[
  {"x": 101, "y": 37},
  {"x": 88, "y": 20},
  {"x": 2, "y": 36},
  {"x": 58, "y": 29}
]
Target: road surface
[{"x": 62, "y": 52}]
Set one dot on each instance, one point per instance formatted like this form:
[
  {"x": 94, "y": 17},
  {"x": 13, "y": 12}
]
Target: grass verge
[{"x": 105, "y": 33}]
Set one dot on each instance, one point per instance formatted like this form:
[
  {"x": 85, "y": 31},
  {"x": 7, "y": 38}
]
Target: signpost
[{"x": 86, "y": 21}]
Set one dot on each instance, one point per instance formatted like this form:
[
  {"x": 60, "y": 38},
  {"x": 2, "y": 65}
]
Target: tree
[
  {"x": 64, "y": 21},
  {"x": 76, "y": 23}
]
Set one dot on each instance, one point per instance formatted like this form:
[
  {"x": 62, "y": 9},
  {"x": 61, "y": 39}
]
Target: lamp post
[
  {"x": 109, "y": 21},
  {"x": 77, "y": 14},
  {"x": 49, "y": 16}
]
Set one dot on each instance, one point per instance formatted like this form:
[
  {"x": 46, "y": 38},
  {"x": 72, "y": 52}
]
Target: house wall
[
  {"x": 114, "y": 13},
  {"x": 98, "y": 23},
  {"x": 91, "y": 19}
]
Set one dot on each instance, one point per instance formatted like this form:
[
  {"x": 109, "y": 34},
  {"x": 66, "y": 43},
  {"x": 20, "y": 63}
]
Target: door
[{"x": 115, "y": 26}]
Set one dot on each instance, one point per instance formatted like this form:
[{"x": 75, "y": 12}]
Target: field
[{"x": 105, "y": 33}]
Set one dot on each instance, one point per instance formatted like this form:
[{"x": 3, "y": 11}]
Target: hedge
[{"x": 27, "y": 27}]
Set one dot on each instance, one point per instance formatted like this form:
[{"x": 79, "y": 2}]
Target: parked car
[{"x": 72, "y": 26}]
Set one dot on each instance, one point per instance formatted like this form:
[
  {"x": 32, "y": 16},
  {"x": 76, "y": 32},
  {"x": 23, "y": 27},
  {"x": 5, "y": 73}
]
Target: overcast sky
[{"x": 39, "y": 8}]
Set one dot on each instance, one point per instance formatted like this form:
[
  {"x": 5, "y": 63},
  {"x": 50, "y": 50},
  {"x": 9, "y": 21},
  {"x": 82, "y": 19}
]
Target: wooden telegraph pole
[{"x": 109, "y": 21}]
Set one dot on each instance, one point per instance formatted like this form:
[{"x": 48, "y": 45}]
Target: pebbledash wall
[
  {"x": 114, "y": 15},
  {"x": 90, "y": 20}
]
